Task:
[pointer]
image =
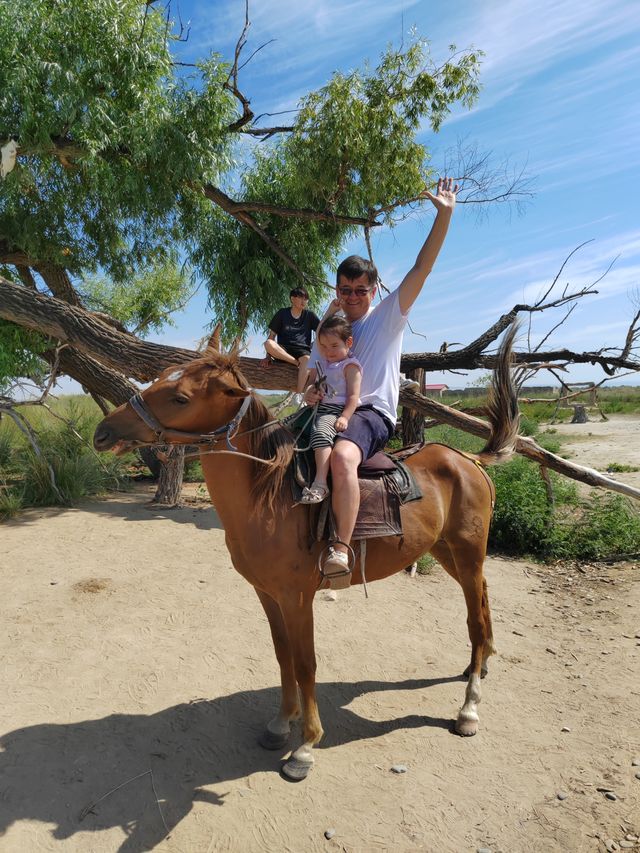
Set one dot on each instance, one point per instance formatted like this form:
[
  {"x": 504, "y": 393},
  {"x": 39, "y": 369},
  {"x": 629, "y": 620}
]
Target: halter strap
[{"x": 141, "y": 409}]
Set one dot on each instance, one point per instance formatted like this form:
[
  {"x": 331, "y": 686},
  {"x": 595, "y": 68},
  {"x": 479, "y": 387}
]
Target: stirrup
[{"x": 341, "y": 578}]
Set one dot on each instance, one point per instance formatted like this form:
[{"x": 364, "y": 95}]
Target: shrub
[
  {"x": 524, "y": 522},
  {"x": 608, "y": 526},
  {"x": 66, "y": 447},
  {"x": 10, "y": 503},
  {"x": 523, "y": 517},
  {"x": 6, "y": 449},
  {"x": 77, "y": 475},
  {"x": 528, "y": 425},
  {"x": 426, "y": 564}
]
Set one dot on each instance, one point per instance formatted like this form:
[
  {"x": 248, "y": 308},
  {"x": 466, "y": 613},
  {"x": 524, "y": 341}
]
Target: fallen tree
[{"x": 145, "y": 360}]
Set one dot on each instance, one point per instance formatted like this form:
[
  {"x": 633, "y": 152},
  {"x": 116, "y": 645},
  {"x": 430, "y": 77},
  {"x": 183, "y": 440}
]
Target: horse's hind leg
[
  {"x": 467, "y": 561},
  {"x": 276, "y": 734},
  {"x": 443, "y": 555}
]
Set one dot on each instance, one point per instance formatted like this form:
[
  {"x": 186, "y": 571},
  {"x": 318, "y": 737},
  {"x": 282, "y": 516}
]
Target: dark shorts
[
  {"x": 367, "y": 429},
  {"x": 296, "y": 352}
]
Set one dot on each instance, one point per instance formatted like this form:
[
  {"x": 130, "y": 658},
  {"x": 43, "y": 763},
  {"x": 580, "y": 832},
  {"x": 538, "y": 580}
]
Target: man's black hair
[
  {"x": 298, "y": 291},
  {"x": 354, "y": 266}
]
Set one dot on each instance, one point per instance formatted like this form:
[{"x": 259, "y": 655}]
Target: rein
[{"x": 229, "y": 430}]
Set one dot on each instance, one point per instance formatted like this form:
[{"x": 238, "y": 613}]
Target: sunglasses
[{"x": 359, "y": 291}]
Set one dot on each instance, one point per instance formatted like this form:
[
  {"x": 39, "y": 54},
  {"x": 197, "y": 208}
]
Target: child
[{"x": 343, "y": 377}]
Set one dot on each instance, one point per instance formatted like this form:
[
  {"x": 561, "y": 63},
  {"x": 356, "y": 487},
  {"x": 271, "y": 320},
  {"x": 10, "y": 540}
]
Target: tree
[{"x": 126, "y": 162}]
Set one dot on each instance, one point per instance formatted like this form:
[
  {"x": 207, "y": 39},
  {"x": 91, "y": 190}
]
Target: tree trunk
[
  {"x": 413, "y": 421},
  {"x": 170, "y": 479},
  {"x": 579, "y": 415}
]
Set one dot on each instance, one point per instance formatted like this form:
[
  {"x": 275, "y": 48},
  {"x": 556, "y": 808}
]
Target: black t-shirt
[{"x": 292, "y": 332}]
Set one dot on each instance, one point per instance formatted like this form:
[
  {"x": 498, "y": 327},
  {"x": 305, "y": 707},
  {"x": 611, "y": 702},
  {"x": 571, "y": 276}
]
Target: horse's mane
[{"x": 273, "y": 443}]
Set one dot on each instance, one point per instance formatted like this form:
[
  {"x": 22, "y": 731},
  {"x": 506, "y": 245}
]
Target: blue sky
[{"x": 560, "y": 82}]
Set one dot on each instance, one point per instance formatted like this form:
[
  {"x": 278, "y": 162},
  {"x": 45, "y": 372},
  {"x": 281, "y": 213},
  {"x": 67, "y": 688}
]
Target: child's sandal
[{"x": 314, "y": 494}]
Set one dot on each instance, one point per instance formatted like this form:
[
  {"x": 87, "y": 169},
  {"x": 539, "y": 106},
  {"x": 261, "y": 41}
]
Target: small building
[{"x": 430, "y": 390}]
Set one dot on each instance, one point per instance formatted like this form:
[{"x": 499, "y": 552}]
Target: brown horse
[{"x": 269, "y": 541}]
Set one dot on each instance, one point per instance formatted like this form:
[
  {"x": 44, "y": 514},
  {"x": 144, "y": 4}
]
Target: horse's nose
[{"x": 103, "y": 437}]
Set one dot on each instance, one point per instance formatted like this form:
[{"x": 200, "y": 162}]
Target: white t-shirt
[{"x": 377, "y": 344}]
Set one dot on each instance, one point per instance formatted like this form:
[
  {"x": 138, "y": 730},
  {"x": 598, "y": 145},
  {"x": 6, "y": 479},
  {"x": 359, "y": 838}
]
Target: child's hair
[{"x": 336, "y": 325}]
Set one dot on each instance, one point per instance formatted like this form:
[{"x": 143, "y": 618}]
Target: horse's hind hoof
[
  {"x": 466, "y": 727},
  {"x": 295, "y": 770},
  {"x": 273, "y": 740}
]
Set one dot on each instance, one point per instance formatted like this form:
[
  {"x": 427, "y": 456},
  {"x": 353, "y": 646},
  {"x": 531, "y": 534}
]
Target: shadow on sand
[{"x": 52, "y": 773}]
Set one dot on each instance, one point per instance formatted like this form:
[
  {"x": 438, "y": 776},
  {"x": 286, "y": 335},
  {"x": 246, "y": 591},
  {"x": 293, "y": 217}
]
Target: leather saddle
[{"x": 386, "y": 483}]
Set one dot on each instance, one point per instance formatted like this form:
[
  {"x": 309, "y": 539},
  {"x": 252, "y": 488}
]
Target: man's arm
[
  {"x": 444, "y": 201},
  {"x": 332, "y": 308}
]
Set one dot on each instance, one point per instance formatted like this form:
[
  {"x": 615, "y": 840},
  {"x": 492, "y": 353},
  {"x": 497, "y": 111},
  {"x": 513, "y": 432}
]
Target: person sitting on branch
[
  {"x": 377, "y": 345},
  {"x": 290, "y": 337}
]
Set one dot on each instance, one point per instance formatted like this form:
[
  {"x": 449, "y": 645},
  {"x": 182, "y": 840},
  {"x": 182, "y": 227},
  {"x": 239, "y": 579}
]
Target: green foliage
[
  {"x": 19, "y": 354},
  {"x": 620, "y": 468},
  {"x": 79, "y": 472},
  {"x": 353, "y": 149},
  {"x": 524, "y": 522},
  {"x": 98, "y": 78},
  {"x": 609, "y": 526},
  {"x": 10, "y": 503},
  {"x": 146, "y": 301},
  {"x": 455, "y": 438},
  {"x": 528, "y": 426},
  {"x": 426, "y": 564}
]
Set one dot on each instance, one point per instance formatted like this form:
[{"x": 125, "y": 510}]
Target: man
[
  {"x": 377, "y": 344},
  {"x": 290, "y": 336}
]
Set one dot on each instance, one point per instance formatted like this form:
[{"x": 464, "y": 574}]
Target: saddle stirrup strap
[{"x": 363, "y": 560}]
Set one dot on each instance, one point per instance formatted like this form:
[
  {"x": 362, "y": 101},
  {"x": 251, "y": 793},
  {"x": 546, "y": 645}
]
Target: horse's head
[{"x": 183, "y": 403}]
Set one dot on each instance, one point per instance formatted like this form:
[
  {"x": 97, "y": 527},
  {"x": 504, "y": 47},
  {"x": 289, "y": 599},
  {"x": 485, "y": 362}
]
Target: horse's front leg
[
  {"x": 276, "y": 734},
  {"x": 297, "y": 610}
]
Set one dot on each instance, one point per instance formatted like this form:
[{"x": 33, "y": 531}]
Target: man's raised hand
[{"x": 445, "y": 197}]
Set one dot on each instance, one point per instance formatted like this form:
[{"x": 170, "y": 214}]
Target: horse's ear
[
  {"x": 234, "y": 350},
  {"x": 214, "y": 340}
]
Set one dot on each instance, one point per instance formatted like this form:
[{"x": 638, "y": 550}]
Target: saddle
[{"x": 386, "y": 483}]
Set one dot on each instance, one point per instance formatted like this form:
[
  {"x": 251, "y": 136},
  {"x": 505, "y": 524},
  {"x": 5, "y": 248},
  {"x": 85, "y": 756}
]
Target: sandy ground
[{"x": 138, "y": 672}]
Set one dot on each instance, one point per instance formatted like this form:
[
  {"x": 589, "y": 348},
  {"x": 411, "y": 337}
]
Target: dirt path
[{"x": 131, "y": 645}]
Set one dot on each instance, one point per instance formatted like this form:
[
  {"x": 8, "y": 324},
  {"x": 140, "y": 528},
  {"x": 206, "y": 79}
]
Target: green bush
[
  {"x": 528, "y": 425},
  {"x": 608, "y": 526},
  {"x": 10, "y": 503},
  {"x": 525, "y": 524},
  {"x": 77, "y": 475},
  {"x": 6, "y": 449},
  {"x": 66, "y": 447}
]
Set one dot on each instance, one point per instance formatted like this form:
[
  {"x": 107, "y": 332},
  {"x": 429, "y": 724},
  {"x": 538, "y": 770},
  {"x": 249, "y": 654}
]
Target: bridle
[
  {"x": 164, "y": 435},
  {"x": 229, "y": 430}
]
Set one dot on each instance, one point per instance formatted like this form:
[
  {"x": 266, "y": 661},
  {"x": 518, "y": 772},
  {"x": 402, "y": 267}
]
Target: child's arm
[{"x": 353, "y": 375}]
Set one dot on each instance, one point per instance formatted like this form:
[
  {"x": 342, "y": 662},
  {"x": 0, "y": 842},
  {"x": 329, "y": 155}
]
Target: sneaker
[
  {"x": 409, "y": 384},
  {"x": 336, "y": 569}
]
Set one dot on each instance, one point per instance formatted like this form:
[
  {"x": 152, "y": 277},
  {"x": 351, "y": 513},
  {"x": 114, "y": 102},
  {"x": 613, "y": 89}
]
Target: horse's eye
[{"x": 181, "y": 400}]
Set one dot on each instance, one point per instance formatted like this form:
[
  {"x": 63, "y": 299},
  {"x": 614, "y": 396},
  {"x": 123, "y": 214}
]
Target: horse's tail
[{"x": 502, "y": 407}]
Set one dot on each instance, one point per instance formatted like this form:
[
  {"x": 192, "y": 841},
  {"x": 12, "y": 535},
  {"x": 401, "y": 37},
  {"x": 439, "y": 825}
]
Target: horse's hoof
[
  {"x": 295, "y": 770},
  {"x": 466, "y": 727},
  {"x": 273, "y": 740}
]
